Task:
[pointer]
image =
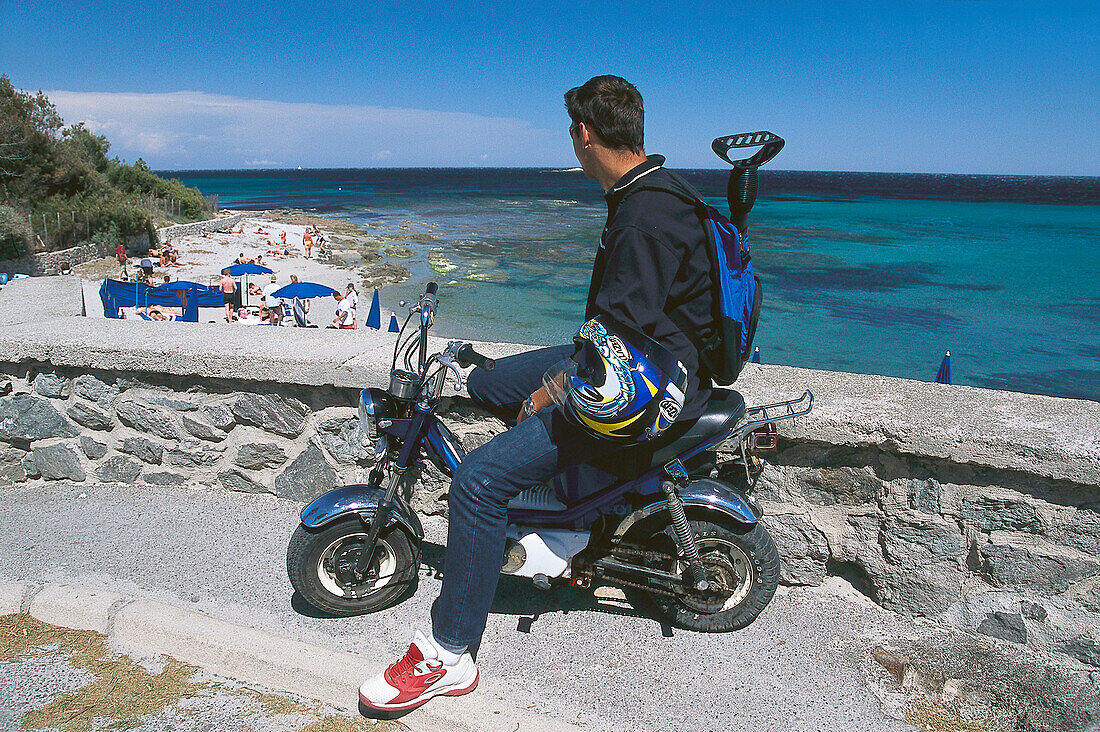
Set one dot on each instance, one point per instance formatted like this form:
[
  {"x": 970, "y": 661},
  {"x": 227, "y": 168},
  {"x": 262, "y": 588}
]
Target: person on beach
[
  {"x": 345, "y": 314},
  {"x": 228, "y": 289},
  {"x": 651, "y": 274},
  {"x": 159, "y": 312},
  {"x": 307, "y": 242},
  {"x": 273, "y": 306},
  {"x": 120, "y": 255}
]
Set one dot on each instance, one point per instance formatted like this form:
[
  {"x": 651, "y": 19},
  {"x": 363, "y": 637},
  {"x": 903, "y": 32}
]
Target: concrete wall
[{"x": 975, "y": 507}]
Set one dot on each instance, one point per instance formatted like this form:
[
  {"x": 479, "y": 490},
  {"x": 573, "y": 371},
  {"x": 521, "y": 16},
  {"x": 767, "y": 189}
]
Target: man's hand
[{"x": 539, "y": 399}]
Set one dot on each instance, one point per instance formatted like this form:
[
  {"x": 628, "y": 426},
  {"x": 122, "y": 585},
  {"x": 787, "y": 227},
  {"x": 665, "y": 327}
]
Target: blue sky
[{"x": 967, "y": 86}]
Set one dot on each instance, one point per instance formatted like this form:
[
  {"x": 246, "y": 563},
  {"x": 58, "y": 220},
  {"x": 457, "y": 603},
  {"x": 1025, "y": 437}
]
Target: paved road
[{"x": 804, "y": 665}]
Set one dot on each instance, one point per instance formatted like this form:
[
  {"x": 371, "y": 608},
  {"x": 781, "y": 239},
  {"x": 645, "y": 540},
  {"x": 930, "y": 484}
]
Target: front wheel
[
  {"x": 742, "y": 567},
  {"x": 319, "y": 564}
]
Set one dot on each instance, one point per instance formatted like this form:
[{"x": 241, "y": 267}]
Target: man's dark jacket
[{"x": 653, "y": 262}]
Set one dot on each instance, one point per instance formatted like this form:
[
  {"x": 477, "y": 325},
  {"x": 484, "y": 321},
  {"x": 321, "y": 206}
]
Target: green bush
[
  {"x": 94, "y": 213},
  {"x": 64, "y": 173},
  {"x": 15, "y": 233},
  {"x": 139, "y": 181}
]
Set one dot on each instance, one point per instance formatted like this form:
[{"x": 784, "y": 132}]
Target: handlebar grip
[
  {"x": 467, "y": 355},
  {"x": 428, "y": 301}
]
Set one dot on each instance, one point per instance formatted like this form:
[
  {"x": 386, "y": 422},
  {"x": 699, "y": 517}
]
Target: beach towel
[{"x": 300, "y": 314}]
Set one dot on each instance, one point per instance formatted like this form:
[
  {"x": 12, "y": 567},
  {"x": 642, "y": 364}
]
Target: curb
[{"x": 254, "y": 656}]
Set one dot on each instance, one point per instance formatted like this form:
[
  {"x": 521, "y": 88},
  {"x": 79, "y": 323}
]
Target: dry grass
[{"x": 123, "y": 692}]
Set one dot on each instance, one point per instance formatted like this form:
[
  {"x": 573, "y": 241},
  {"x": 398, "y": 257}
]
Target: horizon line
[{"x": 577, "y": 170}]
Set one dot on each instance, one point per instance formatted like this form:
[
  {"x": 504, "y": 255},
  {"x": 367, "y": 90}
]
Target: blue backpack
[{"x": 737, "y": 291}]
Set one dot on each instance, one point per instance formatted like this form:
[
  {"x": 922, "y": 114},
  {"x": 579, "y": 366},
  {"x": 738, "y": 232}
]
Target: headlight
[{"x": 367, "y": 417}]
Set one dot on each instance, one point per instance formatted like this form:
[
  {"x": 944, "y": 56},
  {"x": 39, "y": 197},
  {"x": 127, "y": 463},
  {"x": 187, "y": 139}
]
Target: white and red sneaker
[{"x": 416, "y": 677}]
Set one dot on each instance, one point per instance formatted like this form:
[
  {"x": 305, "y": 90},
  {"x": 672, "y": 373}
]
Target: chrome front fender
[
  {"x": 705, "y": 495},
  {"x": 363, "y": 501}
]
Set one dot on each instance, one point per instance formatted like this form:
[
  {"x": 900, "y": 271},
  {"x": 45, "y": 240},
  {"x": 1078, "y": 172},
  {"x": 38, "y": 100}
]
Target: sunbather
[{"x": 159, "y": 312}]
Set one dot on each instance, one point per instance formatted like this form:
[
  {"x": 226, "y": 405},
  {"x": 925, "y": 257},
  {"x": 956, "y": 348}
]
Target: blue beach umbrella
[
  {"x": 944, "y": 376},
  {"x": 756, "y": 355},
  {"x": 374, "y": 317},
  {"x": 304, "y": 291},
  {"x": 393, "y": 323},
  {"x": 245, "y": 269}
]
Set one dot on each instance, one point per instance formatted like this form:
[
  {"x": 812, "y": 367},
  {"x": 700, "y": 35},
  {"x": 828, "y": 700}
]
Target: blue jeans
[{"x": 525, "y": 455}]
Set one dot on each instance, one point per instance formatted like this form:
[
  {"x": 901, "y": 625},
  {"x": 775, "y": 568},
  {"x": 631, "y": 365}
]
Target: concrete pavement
[{"x": 200, "y": 575}]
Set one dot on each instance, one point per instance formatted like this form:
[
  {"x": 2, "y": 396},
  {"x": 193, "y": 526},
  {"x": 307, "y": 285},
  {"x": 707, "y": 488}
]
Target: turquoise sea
[{"x": 871, "y": 273}]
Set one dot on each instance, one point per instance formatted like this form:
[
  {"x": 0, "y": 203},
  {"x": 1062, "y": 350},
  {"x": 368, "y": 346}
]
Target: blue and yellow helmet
[{"x": 625, "y": 387}]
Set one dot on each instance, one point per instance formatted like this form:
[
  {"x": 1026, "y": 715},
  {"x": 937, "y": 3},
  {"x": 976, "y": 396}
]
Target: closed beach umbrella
[
  {"x": 393, "y": 323},
  {"x": 756, "y": 355},
  {"x": 944, "y": 376},
  {"x": 374, "y": 317},
  {"x": 304, "y": 291}
]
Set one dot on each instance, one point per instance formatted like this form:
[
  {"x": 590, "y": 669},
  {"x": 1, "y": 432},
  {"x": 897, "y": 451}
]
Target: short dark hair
[{"x": 612, "y": 108}]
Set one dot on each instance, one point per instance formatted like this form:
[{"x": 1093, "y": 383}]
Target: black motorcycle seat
[{"x": 724, "y": 410}]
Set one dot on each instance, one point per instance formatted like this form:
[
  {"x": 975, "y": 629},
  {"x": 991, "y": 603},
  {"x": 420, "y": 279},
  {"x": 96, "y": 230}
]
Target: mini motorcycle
[{"x": 673, "y": 527}]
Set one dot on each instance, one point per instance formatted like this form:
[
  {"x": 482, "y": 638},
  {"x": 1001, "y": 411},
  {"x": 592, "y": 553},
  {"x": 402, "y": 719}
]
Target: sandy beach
[{"x": 202, "y": 258}]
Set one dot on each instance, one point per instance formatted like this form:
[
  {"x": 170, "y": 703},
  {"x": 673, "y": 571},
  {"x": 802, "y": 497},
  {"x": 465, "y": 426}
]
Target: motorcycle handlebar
[
  {"x": 428, "y": 304},
  {"x": 466, "y": 355},
  {"x": 429, "y": 294}
]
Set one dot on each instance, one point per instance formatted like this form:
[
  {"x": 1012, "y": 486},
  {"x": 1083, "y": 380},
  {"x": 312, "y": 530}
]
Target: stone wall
[
  {"x": 52, "y": 263},
  {"x": 998, "y": 552},
  {"x": 97, "y": 427},
  {"x": 195, "y": 227}
]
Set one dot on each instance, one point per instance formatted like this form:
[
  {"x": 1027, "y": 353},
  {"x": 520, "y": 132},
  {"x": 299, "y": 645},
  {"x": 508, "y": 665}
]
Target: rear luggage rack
[{"x": 757, "y": 417}]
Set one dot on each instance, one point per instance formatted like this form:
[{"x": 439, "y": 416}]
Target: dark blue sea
[{"x": 866, "y": 272}]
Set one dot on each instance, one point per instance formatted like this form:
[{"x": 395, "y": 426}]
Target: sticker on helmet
[
  {"x": 670, "y": 409},
  {"x": 618, "y": 349}
]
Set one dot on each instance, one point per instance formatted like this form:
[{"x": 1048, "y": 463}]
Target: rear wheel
[
  {"x": 320, "y": 562},
  {"x": 742, "y": 568}
]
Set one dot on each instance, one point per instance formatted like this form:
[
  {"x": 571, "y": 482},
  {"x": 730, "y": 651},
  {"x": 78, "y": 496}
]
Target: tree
[{"x": 50, "y": 171}]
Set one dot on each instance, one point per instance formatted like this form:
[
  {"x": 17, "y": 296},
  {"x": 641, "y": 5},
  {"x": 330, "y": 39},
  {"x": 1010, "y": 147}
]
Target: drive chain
[{"x": 623, "y": 552}]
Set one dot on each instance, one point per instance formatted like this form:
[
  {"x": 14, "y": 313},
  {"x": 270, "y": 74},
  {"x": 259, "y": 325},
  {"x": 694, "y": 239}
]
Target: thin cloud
[{"x": 186, "y": 129}]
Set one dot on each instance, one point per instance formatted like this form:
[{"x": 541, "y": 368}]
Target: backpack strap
[{"x": 685, "y": 192}]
